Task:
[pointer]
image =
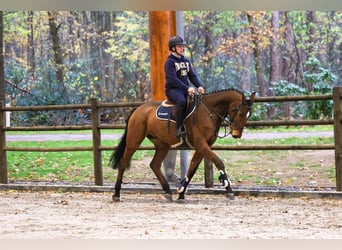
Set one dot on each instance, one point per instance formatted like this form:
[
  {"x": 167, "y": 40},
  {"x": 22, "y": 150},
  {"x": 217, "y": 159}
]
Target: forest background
[{"x": 68, "y": 57}]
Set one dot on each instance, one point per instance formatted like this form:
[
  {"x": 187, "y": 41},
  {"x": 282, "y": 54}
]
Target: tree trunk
[
  {"x": 208, "y": 50},
  {"x": 299, "y": 62},
  {"x": 274, "y": 49},
  {"x": 86, "y": 44},
  {"x": 257, "y": 57},
  {"x": 292, "y": 60},
  {"x": 274, "y": 60},
  {"x": 72, "y": 43},
  {"x": 244, "y": 60},
  {"x": 57, "y": 49},
  {"x": 291, "y": 57},
  {"x": 311, "y": 23},
  {"x": 105, "y": 21},
  {"x": 30, "y": 48}
]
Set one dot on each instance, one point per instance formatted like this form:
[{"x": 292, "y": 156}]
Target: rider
[{"x": 178, "y": 70}]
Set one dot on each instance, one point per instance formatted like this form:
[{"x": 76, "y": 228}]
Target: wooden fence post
[
  {"x": 96, "y": 142},
  {"x": 3, "y": 158},
  {"x": 208, "y": 173},
  {"x": 337, "y": 97}
]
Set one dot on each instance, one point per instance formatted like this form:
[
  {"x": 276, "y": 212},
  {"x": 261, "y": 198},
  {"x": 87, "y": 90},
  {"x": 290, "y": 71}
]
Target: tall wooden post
[
  {"x": 95, "y": 117},
  {"x": 337, "y": 96},
  {"x": 3, "y": 157},
  {"x": 162, "y": 25}
]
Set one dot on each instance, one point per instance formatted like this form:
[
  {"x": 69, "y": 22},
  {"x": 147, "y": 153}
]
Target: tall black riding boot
[{"x": 179, "y": 121}]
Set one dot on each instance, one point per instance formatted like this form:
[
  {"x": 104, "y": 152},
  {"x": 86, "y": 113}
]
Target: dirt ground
[
  {"x": 51, "y": 215},
  {"x": 56, "y": 215}
]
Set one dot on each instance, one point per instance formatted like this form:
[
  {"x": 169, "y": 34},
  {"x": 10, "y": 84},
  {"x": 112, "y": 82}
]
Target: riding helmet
[{"x": 176, "y": 40}]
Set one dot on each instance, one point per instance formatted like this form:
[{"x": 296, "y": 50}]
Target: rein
[{"x": 225, "y": 120}]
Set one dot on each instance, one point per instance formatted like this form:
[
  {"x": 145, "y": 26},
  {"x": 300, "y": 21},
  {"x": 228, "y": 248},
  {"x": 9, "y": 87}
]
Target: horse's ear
[{"x": 251, "y": 99}]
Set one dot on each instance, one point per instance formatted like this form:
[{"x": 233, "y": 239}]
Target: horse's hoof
[
  {"x": 230, "y": 196},
  {"x": 180, "y": 201},
  {"x": 116, "y": 199},
  {"x": 168, "y": 197}
]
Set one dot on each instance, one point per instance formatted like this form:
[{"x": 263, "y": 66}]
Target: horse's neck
[{"x": 221, "y": 100}]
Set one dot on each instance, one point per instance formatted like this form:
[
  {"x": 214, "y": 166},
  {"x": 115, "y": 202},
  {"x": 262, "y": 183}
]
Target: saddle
[
  {"x": 166, "y": 108},
  {"x": 166, "y": 112}
]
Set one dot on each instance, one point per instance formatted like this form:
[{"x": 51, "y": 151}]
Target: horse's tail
[{"x": 118, "y": 153}]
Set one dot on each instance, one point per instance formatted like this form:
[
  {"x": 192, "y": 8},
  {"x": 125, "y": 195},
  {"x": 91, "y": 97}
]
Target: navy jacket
[{"x": 177, "y": 73}]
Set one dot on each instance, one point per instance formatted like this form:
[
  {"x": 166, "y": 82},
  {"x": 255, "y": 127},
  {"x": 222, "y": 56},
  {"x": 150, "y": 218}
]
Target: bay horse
[{"x": 201, "y": 126}]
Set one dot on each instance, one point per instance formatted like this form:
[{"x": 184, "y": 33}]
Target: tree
[
  {"x": 30, "y": 48},
  {"x": 70, "y": 56},
  {"x": 289, "y": 52},
  {"x": 56, "y": 46},
  {"x": 257, "y": 51},
  {"x": 274, "y": 59},
  {"x": 274, "y": 50}
]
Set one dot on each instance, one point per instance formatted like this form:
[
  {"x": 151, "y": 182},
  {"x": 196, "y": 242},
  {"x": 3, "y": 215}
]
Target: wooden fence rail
[{"x": 96, "y": 128}]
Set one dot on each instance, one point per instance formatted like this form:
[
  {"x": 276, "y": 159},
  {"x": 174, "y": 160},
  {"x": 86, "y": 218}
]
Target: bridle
[{"x": 227, "y": 120}]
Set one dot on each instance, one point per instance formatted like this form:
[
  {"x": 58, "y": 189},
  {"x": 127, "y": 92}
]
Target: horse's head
[{"x": 239, "y": 114}]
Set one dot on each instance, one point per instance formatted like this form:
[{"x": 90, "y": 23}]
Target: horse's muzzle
[{"x": 236, "y": 133}]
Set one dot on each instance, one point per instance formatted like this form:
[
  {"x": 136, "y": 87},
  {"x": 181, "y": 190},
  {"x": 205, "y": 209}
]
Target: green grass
[
  {"x": 78, "y": 166},
  {"x": 104, "y": 131},
  {"x": 316, "y": 128},
  {"x": 280, "y": 141}
]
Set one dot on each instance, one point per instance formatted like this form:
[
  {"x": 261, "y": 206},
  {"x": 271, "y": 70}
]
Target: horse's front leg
[
  {"x": 210, "y": 155},
  {"x": 195, "y": 161},
  {"x": 226, "y": 184}
]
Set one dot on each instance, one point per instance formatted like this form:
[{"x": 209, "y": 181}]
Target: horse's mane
[{"x": 224, "y": 90}]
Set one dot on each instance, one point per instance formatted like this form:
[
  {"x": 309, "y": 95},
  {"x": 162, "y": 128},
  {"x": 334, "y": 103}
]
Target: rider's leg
[
  {"x": 179, "y": 98},
  {"x": 179, "y": 121}
]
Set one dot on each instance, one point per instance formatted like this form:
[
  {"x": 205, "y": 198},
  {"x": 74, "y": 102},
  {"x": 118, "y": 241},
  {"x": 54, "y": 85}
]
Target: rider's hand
[
  {"x": 200, "y": 90},
  {"x": 191, "y": 90}
]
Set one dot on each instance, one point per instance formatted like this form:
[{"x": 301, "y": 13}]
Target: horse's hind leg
[
  {"x": 156, "y": 168},
  {"x": 123, "y": 165},
  {"x": 116, "y": 195}
]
